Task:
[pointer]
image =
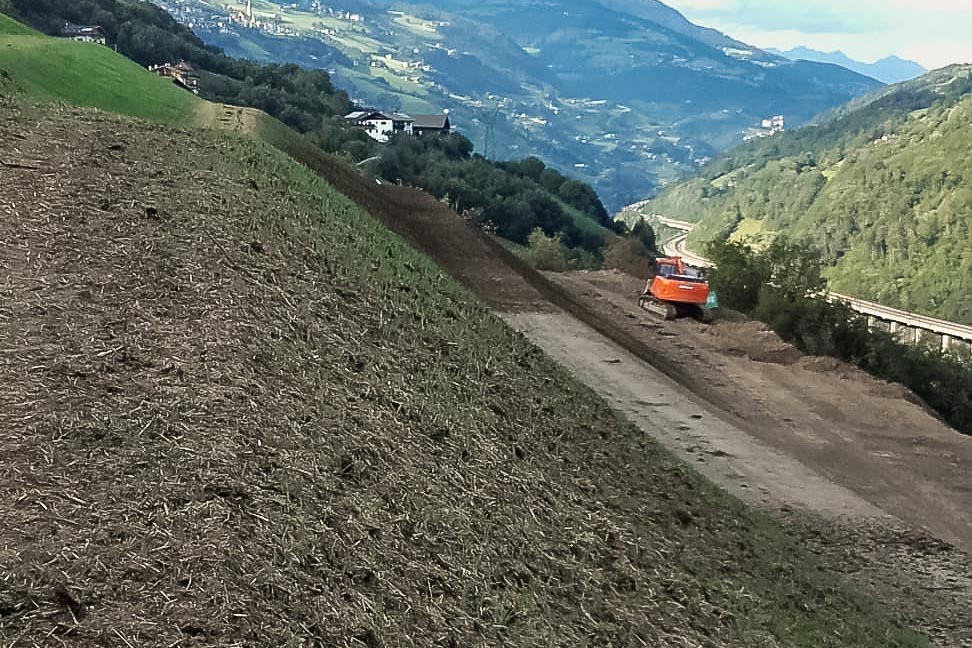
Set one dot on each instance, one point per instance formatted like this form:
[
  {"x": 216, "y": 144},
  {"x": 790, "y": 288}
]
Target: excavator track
[
  {"x": 669, "y": 311},
  {"x": 662, "y": 309}
]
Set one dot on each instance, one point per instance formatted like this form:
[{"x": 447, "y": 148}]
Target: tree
[
  {"x": 646, "y": 235},
  {"x": 739, "y": 274},
  {"x": 546, "y": 252}
]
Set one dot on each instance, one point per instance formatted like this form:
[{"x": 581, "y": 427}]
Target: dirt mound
[{"x": 753, "y": 340}]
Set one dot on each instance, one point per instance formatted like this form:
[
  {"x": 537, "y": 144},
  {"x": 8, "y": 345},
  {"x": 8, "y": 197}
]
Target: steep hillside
[
  {"x": 500, "y": 196},
  {"x": 301, "y": 98},
  {"x": 240, "y": 411},
  {"x": 881, "y": 186},
  {"x": 624, "y": 95}
]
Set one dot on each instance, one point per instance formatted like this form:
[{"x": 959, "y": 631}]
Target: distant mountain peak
[{"x": 890, "y": 69}]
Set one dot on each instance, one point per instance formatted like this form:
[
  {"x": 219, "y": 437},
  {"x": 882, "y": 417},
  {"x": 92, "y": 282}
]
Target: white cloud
[{"x": 933, "y": 6}]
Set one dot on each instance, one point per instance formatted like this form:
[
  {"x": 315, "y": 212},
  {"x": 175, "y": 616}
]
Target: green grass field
[
  {"x": 747, "y": 229},
  {"x": 10, "y": 27},
  {"x": 84, "y": 74}
]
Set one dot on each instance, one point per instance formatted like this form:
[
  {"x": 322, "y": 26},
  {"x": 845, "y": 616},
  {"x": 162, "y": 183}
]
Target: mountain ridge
[
  {"x": 890, "y": 69},
  {"x": 626, "y": 101}
]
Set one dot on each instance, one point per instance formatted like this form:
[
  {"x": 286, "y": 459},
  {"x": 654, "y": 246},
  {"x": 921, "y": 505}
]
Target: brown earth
[
  {"x": 870, "y": 436},
  {"x": 856, "y": 467},
  {"x": 171, "y": 453}
]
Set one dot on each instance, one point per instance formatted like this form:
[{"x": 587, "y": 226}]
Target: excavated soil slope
[
  {"x": 878, "y": 486},
  {"x": 868, "y": 435},
  {"x": 236, "y": 411}
]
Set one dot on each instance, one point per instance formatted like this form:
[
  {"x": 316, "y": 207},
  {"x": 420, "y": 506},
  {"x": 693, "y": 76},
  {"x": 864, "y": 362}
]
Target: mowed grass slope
[
  {"x": 11, "y": 27},
  {"x": 240, "y": 412},
  {"x": 86, "y": 74}
]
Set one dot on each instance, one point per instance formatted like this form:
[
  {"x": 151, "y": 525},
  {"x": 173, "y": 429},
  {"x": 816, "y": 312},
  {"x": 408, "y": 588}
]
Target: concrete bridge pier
[
  {"x": 899, "y": 332},
  {"x": 918, "y": 334}
]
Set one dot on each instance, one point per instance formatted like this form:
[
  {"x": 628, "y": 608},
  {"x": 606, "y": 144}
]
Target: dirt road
[
  {"x": 868, "y": 436},
  {"x": 874, "y": 483},
  {"x": 752, "y": 470}
]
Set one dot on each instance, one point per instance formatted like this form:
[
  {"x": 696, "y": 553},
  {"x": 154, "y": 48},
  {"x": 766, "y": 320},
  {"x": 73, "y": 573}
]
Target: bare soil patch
[{"x": 867, "y": 436}]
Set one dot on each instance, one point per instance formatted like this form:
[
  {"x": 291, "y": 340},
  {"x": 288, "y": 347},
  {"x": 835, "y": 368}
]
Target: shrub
[
  {"x": 546, "y": 252},
  {"x": 781, "y": 285},
  {"x": 628, "y": 255}
]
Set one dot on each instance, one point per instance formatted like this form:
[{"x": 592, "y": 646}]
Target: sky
[{"x": 934, "y": 33}]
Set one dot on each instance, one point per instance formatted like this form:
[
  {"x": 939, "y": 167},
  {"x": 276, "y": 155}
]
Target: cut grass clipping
[{"x": 238, "y": 411}]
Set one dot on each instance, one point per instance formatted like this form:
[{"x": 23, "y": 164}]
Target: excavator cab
[{"x": 677, "y": 290}]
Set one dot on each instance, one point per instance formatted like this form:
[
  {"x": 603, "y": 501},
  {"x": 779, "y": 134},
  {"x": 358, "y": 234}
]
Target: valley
[
  {"x": 628, "y": 99},
  {"x": 879, "y": 187}
]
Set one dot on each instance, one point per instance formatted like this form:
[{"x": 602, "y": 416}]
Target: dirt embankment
[
  {"x": 863, "y": 455},
  {"x": 238, "y": 412},
  {"x": 870, "y": 436},
  {"x": 859, "y": 449}
]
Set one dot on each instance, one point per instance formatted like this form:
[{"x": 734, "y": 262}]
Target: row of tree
[
  {"x": 511, "y": 198},
  {"x": 780, "y": 284}
]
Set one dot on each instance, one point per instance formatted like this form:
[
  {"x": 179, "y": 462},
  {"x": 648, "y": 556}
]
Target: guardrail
[
  {"x": 897, "y": 319},
  {"x": 950, "y": 331},
  {"x": 685, "y": 226}
]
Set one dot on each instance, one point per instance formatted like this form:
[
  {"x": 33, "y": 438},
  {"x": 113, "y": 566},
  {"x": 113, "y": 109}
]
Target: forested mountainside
[
  {"x": 625, "y": 95},
  {"x": 882, "y": 186}
]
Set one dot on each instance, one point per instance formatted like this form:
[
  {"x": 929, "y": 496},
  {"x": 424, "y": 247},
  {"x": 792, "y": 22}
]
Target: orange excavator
[{"x": 677, "y": 290}]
